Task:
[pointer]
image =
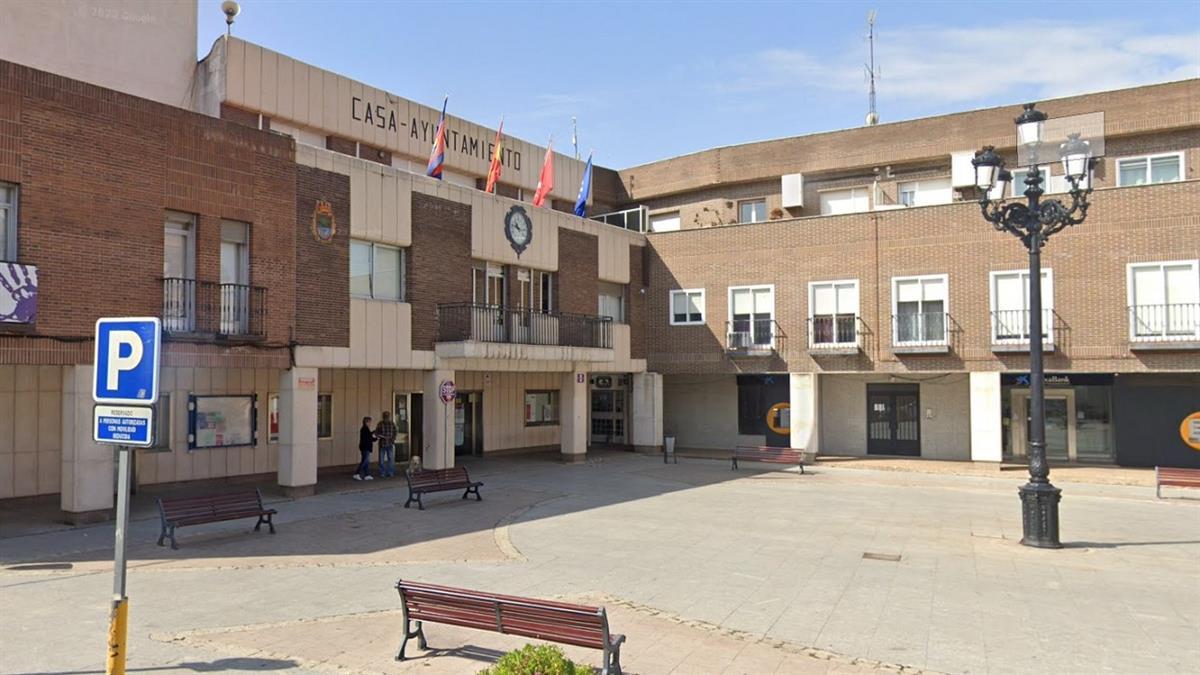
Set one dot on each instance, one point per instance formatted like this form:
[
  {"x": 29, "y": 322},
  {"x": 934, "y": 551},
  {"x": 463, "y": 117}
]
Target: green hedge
[{"x": 537, "y": 660}]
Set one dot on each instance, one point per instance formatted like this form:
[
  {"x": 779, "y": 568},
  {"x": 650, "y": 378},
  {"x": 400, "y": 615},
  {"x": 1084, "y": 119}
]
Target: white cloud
[{"x": 938, "y": 65}]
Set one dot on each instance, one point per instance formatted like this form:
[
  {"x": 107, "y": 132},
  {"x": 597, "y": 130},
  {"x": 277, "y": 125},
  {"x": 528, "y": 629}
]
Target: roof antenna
[
  {"x": 231, "y": 10},
  {"x": 872, "y": 73}
]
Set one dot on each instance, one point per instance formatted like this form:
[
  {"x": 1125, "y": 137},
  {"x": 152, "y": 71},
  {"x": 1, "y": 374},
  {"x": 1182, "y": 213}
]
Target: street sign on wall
[{"x": 126, "y": 361}]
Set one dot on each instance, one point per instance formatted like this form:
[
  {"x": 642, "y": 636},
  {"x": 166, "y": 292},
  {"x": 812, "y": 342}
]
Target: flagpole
[{"x": 575, "y": 137}]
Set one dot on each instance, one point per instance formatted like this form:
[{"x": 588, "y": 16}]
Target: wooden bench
[
  {"x": 769, "y": 455},
  {"x": 183, "y": 511},
  {"x": 561, "y": 622},
  {"x": 1173, "y": 477},
  {"x": 439, "y": 480}
]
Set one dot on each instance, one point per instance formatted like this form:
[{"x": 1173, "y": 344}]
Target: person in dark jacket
[{"x": 366, "y": 440}]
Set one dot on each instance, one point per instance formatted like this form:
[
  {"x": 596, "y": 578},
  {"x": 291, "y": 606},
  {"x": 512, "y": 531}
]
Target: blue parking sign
[{"x": 127, "y": 357}]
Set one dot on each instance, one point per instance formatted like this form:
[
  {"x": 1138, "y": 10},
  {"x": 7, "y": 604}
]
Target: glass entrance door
[
  {"x": 893, "y": 419},
  {"x": 608, "y": 416},
  {"x": 1060, "y": 424},
  {"x": 468, "y": 423},
  {"x": 401, "y": 416}
]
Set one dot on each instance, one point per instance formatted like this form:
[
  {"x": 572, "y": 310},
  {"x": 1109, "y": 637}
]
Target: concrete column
[
  {"x": 647, "y": 412},
  {"x": 986, "y": 436},
  {"x": 573, "y": 416},
  {"x": 298, "y": 431},
  {"x": 87, "y": 467},
  {"x": 437, "y": 425},
  {"x": 805, "y": 401}
]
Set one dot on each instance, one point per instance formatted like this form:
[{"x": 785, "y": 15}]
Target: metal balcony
[
  {"x": 205, "y": 309},
  {"x": 465, "y": 322},
  {"x": 924, "y": 333},
  {"x": 1010, "y": 330},
  {"x": 753, "y": 337},
  {"x": 1172, "y": 326},
  {"x": 835, "y": 334}
]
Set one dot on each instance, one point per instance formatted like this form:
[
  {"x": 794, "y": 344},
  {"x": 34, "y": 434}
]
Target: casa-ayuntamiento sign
[{"x": 384, "y": 117}]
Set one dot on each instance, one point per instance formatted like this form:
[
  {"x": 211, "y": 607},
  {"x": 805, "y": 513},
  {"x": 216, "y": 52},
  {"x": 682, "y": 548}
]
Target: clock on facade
[{"x": 518, "y": 227}]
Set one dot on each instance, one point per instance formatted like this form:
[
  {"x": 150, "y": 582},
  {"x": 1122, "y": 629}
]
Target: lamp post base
[{"x": 1039, "y": 511}]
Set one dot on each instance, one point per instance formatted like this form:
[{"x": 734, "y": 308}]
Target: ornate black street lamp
[{"x": 1033, "y": 223}]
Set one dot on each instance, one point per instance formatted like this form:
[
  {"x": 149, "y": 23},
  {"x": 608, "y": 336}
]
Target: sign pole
[{"x": 118, "y": 617}]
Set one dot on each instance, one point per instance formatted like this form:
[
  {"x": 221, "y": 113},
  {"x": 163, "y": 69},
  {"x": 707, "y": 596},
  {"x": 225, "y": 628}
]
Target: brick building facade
[{"x": 312, "y": 274}]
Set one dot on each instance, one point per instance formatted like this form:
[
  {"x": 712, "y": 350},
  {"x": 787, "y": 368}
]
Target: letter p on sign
[{"x": 126, "y": 361}]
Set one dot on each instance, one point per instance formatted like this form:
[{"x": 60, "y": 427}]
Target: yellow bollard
[{"x": 117, "y": 623}]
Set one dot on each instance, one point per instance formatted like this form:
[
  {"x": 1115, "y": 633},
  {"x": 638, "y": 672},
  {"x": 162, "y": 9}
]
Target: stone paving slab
[{"x": 366, "y": 643}]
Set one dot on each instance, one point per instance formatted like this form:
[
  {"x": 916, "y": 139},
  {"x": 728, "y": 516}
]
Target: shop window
[
  {"x": 377, "y": 271},
  {"x": 541, "y": 408},
  {"x": 687, "y": 307},
  {"x": 324, "y": 415},
  {"x": 162, "y": 423}
]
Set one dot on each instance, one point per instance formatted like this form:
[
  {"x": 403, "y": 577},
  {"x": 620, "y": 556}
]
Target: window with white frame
[
  {"x": 926, "y": 192},
  {"x": 376, "y": 271},
  {"x": 612, "y": 301},
  {"x": 1010, "y": 306},
  {"x": 1164, "y": 168},
  {"x": 919, "y": 305},
  {"x": 833, "y": 313},
  {"x": 664, "y": 222},
  {"x": 752, "y": 211},
  {"x": 8, "y": 222},
  {"x": 687, "y": 307},
  {"x": 751, "y": 316},
  {"x": 852, "y": 200},
  {"x": 324, "y": 415},
  {"x": 179, "y": 272},
  {"x": 1164, "y": 299}
]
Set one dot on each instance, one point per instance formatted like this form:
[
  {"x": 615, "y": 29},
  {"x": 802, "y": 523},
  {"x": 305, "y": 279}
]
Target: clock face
[{"x": 518, "y": 227}]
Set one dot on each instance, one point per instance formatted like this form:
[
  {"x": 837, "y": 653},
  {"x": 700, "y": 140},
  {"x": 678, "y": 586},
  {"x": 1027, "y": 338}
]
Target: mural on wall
[{"x": 18, "y": 293}]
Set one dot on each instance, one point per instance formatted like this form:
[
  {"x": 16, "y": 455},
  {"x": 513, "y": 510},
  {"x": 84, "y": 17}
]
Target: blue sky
[{"x": 650, "y": 80}]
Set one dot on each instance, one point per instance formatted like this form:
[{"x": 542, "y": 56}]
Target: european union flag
[{"x": 585, "y": 190}]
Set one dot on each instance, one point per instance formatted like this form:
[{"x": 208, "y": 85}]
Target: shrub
[{"x": 537, "y": 660}]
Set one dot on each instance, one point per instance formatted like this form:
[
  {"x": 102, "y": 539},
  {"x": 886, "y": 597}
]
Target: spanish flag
[{"x": 494, "y": 170}]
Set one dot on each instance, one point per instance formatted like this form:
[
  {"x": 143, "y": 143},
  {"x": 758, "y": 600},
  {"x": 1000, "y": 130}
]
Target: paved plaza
[{"x": 704, "y": 569}]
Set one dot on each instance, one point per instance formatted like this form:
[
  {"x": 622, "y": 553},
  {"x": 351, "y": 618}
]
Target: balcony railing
[
  {"x": 753, "y": 335},
  {"x": 926, "y": 330},
  {"x": 1173, "y": 323},
  {"x": 193, "y": 307},
  {"x": 465, "y": 322},
  {"x": 834, "y": 332},
  {"x": 1010, "y": 328}
]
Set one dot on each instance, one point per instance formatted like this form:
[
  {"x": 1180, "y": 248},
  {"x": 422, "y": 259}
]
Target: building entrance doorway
[
  {"x": 894, "y": 419},
  {"x": 1060, "y": 424},
  {"x": 468, "y": 423},
  {"x": 608, "y": 416},
  {"x": 406, "y": 413}
]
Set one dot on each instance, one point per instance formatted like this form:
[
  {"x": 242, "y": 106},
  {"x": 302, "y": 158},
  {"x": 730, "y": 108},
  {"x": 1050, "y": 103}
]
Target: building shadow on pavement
[
  {"x": 349, "y": 518},
  {"x": 217, "y": 666}
]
